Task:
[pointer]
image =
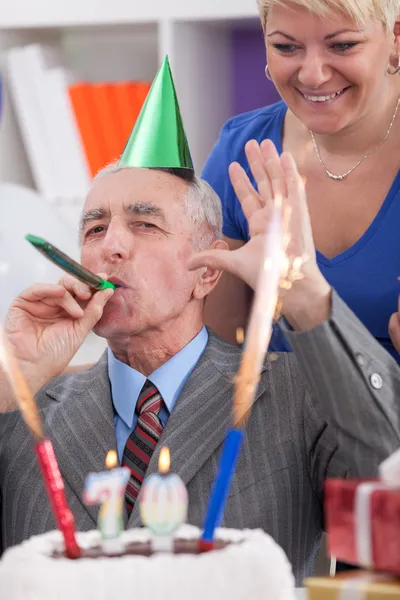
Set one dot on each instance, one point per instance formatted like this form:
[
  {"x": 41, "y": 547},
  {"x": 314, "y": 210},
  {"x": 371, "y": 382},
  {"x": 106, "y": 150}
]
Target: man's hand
[
  {"x": 307, "y": 303},
  {"x": 394, "y": 328},
  {"x": 47, "y": 323}
]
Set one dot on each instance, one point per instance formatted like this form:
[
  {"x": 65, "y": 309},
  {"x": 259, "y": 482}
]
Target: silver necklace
[{"x": 341, "y": 177}]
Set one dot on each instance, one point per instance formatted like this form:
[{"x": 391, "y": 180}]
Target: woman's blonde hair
[{"x": 360, "y": 11}]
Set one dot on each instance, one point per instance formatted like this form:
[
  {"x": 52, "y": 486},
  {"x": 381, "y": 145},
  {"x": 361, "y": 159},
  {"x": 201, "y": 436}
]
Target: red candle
[{"x": 55, "y": 490}]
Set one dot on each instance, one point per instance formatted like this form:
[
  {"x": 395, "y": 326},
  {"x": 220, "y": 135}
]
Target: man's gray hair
[{"x": 203, "y": 207}]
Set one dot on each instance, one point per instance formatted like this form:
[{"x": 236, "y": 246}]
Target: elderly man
[{"x": 165, "y": 379}]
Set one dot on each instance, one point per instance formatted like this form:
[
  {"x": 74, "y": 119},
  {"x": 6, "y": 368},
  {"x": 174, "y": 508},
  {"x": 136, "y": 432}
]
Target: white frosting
[{"x": 256, "y": 568}]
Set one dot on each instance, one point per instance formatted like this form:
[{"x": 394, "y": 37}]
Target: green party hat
[{"x": 158, "y": 139}]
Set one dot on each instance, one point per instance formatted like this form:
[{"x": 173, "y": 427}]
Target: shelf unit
[
  {"x": 127, "y": 39},
  {"x": 47, "y": 13}
]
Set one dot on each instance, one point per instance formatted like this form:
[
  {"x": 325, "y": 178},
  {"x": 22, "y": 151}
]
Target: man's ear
[{"x": 208, "y": 278}]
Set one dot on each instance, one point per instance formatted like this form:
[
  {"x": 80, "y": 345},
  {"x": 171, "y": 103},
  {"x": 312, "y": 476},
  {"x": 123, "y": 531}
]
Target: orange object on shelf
[
  {"x": 105, "y": 114},
  {"x": 106, "y": 119},
  {"x": 125, "y": 110},
  {"x": 81, "y": 99},
  {"x": 139, "y": 91}
]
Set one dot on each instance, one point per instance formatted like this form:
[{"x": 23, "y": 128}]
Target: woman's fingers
[
  {"x": 223, "y": 260},
  {"x": 296, "y": 194},
  {"x": 244, "y": 190},
  {"x": 294, "y": 182},
  {"x": 273, "y": 168},
  {"x": 259, "y": 222},
  {"x": 257, "y": 167},
  {"x": 300, "y": 224}
]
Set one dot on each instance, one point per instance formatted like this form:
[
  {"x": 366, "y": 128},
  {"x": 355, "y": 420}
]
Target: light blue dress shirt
[{"x": 126, "y": 385}]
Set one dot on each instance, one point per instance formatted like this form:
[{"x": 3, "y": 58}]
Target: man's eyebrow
[
  {"x": 138, "y": 208},
  {"x": 92, "y": 215},
  {"x": 146, "y": 209}
]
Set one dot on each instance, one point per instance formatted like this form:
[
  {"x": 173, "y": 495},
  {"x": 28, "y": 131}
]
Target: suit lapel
[
  {"x": 81, "y": 422},
  {"x": 81, "y": 427},
  {"x": 202, "y": 415}
]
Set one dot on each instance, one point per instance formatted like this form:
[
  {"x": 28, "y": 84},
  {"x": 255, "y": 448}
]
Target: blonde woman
[{"x": 336, "y": 65}]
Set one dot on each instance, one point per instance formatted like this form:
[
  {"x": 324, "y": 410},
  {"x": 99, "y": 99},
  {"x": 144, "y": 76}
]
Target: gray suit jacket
[{"x": 314, "y": 417}]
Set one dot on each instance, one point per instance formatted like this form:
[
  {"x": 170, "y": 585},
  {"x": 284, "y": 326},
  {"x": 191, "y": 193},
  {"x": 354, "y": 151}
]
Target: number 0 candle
[{"x": 163, "y": 504}]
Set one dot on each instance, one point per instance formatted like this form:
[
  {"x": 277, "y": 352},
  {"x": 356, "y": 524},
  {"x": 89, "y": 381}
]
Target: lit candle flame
[
  {"x": 240, "y": 335},
  {"x": 111, "y": 459},
  {"x": 164, "y": 461}
]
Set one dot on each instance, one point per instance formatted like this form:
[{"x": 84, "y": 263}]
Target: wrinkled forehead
[
  {"x": 115, "y": 191},
  {"x": 138, "y": 193}
]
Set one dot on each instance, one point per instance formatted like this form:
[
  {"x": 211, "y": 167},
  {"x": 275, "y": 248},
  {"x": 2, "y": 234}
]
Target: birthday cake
[{"x": 244, "y": 564}]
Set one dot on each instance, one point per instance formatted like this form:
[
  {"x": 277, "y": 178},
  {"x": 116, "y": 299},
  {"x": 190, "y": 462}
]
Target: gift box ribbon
[
  {"x": 389, "y": 473},
  {"x": 362, "y": 511}
]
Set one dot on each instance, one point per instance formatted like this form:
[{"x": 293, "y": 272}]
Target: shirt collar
[{"x": 126, "y": 383}]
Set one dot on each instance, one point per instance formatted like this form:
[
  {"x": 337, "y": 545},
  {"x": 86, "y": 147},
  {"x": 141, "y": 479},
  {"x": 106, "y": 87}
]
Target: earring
[
  {"x": 268, "y": 74},
  {"x": 393, "y": 71}
]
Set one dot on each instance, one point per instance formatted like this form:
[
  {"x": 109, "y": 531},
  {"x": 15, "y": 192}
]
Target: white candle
[
  {"x": 108, "y": 489},
  {"x": 163, "y": 504}
]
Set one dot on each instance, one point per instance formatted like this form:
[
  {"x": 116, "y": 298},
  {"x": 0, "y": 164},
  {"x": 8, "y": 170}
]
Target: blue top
[
  {"x": 365, "y": 275},
  {"x": 126, "y": 385}
]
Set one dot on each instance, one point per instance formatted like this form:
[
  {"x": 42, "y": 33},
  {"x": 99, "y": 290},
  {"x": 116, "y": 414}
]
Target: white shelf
[
  {"x": 60, "y": 13},
  {"x": 127, "y": 39},
  {"x": 200, "y": 53}
]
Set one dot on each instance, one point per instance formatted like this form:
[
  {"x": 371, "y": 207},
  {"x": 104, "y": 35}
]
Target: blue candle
[{"x": 222, "y": 483}]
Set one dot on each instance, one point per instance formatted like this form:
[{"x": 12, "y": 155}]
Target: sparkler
[
  {"x": 43, "y": 447},
  {"x": 277, "y": 272},
  {"x": 274, "y": 268}
]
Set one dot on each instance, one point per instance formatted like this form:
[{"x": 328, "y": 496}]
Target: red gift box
[{"x": 362, "y": 519}]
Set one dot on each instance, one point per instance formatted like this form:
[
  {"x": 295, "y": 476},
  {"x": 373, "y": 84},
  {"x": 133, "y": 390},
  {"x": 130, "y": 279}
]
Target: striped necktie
[{"x": 142, "y": 441}]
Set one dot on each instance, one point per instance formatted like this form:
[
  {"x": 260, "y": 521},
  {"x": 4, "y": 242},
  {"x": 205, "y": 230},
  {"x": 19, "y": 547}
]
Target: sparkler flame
[
  {"x": 278, "y": 273},
  {"x": 240, "y": 335},
  {"x": 26, "y": 401}
]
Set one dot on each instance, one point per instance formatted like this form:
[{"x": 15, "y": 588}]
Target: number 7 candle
[{"x": 108, "y": 489}]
